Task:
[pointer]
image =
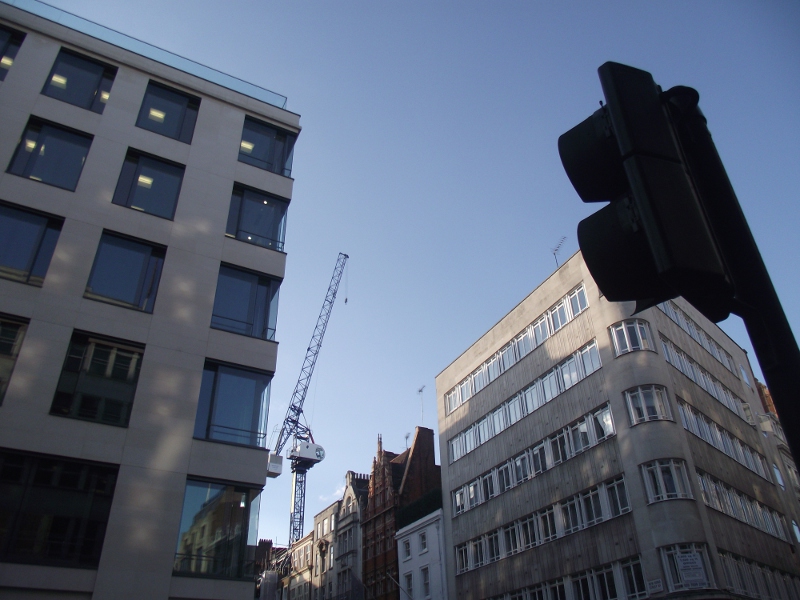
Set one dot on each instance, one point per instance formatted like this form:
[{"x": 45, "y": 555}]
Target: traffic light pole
[{"x": 755, "y": 299}]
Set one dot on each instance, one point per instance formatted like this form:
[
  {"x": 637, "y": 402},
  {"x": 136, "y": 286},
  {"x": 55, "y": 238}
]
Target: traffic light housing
[{"x": 652, "y": 242}]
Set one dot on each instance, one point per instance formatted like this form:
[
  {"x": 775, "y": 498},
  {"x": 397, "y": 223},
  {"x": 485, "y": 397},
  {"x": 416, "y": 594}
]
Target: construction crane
[{"x": 304, "y": 453}]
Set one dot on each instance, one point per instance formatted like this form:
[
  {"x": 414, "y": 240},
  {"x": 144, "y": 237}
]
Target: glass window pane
[
  {"x": 168, "y": 112},
  {"x": 27, "y": 241},
  {"x": 10, "y": 42},
  {"x": 216, "y": 524},
  {"x": 79, "y": 80},
  {"x": 51, "y": 154},
  {"x": 149, "y": 184},
  {"x": 266, "y": 147},
  {"x": 54, "y": 510},
  {"x": 126, "y": 271}
]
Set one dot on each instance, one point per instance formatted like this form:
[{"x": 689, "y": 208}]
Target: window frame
[
  {"x": 639, "y": 412},
  {"x": 8, "y": 360},
  {"x": 262, "y": 305},
  {"x": 101, "y": 90},
  {"x": 149, "y": 276},
  {"x": 631, "y": 335},
  {"x": 42, "y": 249},
  {"x": 188, "y": 112},
  {"x": 207, "y": 406},
  {"x": 40, "y": 478},
  {"x": 280, "y": 165},
  {"x": 32, "y": 141},
  {"x": 8, "y": 51},
  {"x": 131, "y": 179},
  {"x": 77, "y": 403},
  {"x": 235, "y": 227},
  {"x": 658, "y": 487}
]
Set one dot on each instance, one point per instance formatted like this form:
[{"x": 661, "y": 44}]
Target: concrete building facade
[
  {"x": 589, "y": 454},
  {"x": 143, "y": 200}
]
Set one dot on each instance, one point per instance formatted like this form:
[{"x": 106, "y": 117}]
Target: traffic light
[{"x": 653, "y": 241}]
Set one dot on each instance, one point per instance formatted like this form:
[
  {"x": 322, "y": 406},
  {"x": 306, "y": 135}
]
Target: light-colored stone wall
[{"x": 156, "y": 452}]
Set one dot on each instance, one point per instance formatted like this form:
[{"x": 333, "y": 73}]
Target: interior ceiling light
[
  {"x": 103, "y": 96},
  {"x": 247, "y": 146},
  {"x": 59, "y": 81},
  {"x": 157, "y": 115},
  {"x": 145, "y": 182},
  {"x": 6, "y": 61}
]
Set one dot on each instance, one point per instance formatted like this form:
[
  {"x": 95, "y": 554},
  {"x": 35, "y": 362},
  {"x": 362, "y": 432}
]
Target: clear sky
[{"x": 429, "y": 155}]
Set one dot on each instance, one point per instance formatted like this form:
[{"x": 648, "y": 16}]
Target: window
[
  {"x": 647, "y": 403},
  {"x": 778, "y": 476},
  {"x": 409, "y": 587},
  {"x": 12, "y": 331},
  {"x": 233, "y": 405},
  {"x": 126, "y": 272},
  {"x": 27, "y": 242},
  {"x": 168, "y": 112},
  {"x": 257, "y": 218},
  {"x": 493, "y": 546},
  {"x": 149, "y": 184},
  {"x": 221, "y": 550},
  {"x": 634, "y": 579},
  {"x": 426, "y": 582},
  {"x": 80, "y": 80},
  {"x": 666, "y": 480},
  {"x": 406, "y": 549},
  {"x": 423, "y": 542},
  {"x": 631, "y": 335},
  {"x": 51, "y": 154},
  {"x": 617, "y": 497},
  {"x": 266, "y": 147},
  {"x": 10, "y": 41},
  {"x": 98, "y": 380},
  {"x": 686, "y": 566},
  {"x": 55, "y": 510}
]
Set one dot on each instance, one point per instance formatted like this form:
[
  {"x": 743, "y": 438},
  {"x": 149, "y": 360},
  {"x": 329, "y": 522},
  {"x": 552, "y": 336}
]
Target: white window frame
[{"x": 638, "y": 409}]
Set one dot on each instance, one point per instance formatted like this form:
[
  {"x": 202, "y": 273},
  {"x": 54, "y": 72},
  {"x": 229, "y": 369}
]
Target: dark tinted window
[
  {"x": 257, "y": 218},
  {"x": 246, "y": 303},
  {"x": 267, "y": 147},
  {"x": 53, "y": 511},
  {"x": 10, "y": 41},
  {"x": 168, "y": 112},
  {"x": 98, "y": 380},
  {"x": 126, "y": 272},
  {"x": 12, "y": 330},
  {"x": 233, "y": 405},
  {"x": 27, "y": 241},
  {"x": 149, "y": 184},
  {"x": 51, "y": 154},
  {"x": 80, "y": 81}
]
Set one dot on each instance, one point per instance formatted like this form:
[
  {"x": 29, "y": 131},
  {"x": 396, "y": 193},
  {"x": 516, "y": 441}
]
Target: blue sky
[{"x": 429, "y": 155}]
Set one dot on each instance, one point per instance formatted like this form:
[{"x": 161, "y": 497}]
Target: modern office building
[
  {"x": 143, "y": 200},
  {"x": 592, "y": 454}
]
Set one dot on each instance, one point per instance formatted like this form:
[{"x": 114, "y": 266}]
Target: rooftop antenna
[
  {"x": 421, "y": 407},
  {"x": 407, "y": 436},
  {"x": 557, "y": 248}
]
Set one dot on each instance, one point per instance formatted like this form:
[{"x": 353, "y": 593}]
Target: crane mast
[{"x": 304, "y": 453}]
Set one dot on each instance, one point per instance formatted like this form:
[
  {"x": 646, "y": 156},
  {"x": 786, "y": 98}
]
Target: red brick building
[{"x": 396, "y": 482}]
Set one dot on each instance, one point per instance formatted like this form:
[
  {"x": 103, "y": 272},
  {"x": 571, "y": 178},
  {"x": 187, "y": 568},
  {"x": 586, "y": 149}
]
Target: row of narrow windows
[
  {"x": 568, "y": 442},
  {"x": 557, "y": 380},
  {"x": 734, "y": 503},
  {"x": 551, "y": 321},
  {"x": 723, "y": 440},
  {"x": 685, "y": 322},
  {"x": 595, "y": 505},
  {"x": 689, "y": 367}
]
